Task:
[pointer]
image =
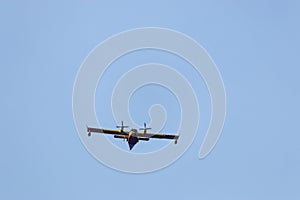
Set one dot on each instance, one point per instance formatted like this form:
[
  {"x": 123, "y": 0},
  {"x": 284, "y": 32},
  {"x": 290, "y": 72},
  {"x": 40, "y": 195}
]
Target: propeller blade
[
  {"x": 145, "y": 127},
  {"x": 122, "y": 125}
]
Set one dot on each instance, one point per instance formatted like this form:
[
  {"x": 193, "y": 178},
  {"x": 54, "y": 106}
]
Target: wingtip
[{"x": 88, "y": 130}]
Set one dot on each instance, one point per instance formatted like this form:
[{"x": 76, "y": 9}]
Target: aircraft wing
[
  {"x": 106, "y": 131},
  {"x": 158, "y": 136}
]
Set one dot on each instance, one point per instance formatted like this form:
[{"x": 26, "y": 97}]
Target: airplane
[{"x": 132, "y": 136}]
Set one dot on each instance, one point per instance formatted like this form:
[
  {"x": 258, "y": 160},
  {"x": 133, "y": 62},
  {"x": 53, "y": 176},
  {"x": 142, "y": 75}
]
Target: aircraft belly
[{"x": 132, "y": 140}]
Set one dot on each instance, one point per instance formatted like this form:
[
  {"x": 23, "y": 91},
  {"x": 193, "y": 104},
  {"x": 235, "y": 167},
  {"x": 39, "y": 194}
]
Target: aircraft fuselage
[{"x": 132, "y": 139}]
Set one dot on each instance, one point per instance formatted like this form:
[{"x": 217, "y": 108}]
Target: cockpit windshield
[{"x": 134, "y": 130}]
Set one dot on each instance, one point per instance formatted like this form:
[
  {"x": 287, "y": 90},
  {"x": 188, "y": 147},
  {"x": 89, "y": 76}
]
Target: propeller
[
  {"x": 122, "y": 126},
  {"x": 145, "y": 128}
]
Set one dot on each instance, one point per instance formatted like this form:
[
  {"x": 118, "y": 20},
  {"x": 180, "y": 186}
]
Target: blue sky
[{"x": 255, "y": 45}]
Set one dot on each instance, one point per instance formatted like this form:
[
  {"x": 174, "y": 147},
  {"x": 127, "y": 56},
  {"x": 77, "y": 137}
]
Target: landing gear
[
  {"x": 175, "y": 142},
  {"x": 89, "y": 133}
]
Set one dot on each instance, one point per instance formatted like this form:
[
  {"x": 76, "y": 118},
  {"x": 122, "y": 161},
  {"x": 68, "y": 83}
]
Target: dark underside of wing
[
  {"x": 158, "y": 136},
  {"x": 106, "y": 131}
]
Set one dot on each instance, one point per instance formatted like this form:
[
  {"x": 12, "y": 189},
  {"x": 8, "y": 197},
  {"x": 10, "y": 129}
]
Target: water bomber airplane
[{"x": 132, "y": 136}]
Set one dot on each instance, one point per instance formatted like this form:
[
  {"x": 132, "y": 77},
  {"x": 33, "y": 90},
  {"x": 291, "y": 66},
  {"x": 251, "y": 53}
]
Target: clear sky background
[{"x": 255, "y": 45}]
